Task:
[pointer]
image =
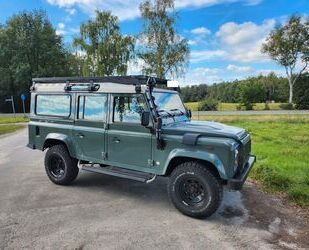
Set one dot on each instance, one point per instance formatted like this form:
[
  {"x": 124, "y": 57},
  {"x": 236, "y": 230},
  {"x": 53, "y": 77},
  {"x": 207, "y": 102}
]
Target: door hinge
[
  {"x": 104, "y": 155},
  {"x": 151, "y": 163}
]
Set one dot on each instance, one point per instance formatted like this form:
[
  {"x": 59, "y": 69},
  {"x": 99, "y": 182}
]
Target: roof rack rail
[{"x": 128, "y": 80}]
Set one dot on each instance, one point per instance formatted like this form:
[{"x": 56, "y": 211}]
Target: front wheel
[
  {"x": 194, "y": 190},
  {"x": 60, "y": 167}
]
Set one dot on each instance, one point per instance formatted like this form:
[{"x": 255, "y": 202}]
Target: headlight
[{"x": 236, "y": 156}]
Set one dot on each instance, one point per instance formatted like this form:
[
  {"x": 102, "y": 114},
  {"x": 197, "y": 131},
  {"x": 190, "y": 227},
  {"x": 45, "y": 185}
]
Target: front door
[
  {"x": 90, "y": 124},
  {"x": 129, "y": 143}
]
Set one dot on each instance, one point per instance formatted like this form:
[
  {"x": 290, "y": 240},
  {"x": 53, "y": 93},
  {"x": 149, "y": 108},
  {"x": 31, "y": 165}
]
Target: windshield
[{"x": 170, "y": 107}]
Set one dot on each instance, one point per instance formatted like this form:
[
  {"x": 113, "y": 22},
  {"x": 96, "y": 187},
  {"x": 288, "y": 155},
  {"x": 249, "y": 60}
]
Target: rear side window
[
  {"x": 53, "y": 105},
  {"x": 93, "y": 108}
]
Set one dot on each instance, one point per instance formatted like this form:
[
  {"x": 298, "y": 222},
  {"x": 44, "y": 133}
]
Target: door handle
[
  {"x": 116, "y": 140},
  {"x": 81, "y": 136}
]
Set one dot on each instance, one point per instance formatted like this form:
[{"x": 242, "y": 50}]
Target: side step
[{"x": 122, "y": 173}]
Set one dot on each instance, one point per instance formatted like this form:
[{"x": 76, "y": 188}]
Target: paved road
[
  {"x": 101, "y": 212},
  {"x": 17, "y": 114},
  {"x": 253, "y": 112}
]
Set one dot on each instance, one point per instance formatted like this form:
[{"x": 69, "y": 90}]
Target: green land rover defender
[{"x": 128, "y": 127}]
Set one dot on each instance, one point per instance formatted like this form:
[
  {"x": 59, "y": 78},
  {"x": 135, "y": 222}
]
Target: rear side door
[
  {"x": 90, "y": 126},
  {"x": 129, "y": 143}
]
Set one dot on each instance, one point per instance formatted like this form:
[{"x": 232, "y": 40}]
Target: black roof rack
[{"x": 128, "y": 80}]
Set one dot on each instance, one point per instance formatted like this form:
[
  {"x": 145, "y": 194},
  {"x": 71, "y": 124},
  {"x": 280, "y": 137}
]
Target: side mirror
[
  {"x": 189, "y": 113},
  {"x": 145, "y": 118}
]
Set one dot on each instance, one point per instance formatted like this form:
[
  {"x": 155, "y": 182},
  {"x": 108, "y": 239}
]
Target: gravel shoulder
[{"x": 102, "y": 212}]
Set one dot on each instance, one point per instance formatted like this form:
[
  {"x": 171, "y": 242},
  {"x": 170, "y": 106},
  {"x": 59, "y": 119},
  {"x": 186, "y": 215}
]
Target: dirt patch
[
  {"x": 288, "y": 224},
  {"x": 230, "y": 212}
]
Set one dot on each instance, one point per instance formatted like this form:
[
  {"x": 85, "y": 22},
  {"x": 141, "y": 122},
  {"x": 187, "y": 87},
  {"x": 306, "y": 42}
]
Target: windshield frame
[{"x": 167, "y": 119}]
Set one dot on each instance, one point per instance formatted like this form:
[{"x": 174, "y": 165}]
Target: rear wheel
[
  {"x": 60, "y": 167},
  {"x": 194, "y": 190}
]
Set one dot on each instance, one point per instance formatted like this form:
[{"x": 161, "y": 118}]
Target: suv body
[{"x": 125, "y": 127}]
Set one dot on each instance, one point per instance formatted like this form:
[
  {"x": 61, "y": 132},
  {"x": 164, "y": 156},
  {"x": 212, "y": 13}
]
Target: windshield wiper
[
  {"x": 181, "y": 112},
  {"x": 167, "y": 112}
]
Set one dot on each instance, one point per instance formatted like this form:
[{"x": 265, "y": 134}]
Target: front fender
[
  {"x": 200, "y": 155},
  {"x": 63, "y": 138}
]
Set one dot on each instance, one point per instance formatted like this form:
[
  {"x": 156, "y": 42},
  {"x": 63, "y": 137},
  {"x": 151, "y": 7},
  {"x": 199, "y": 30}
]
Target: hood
[{"x": 206, "y": 128}]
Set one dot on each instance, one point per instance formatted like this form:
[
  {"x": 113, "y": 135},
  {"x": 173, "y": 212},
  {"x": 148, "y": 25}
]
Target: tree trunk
[{"x": 291, "y": 90}]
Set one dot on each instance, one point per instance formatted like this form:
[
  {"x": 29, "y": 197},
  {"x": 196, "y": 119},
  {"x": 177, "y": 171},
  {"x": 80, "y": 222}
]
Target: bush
[
  {"x": 301, "y": 92},
  {"x": 251, "y": 91},
  {"x": 208, "y": 105},
  {"x": 286, "y": 106},
  {"x": 249, "y": 106},
  {"x": 266, "y": 106}
]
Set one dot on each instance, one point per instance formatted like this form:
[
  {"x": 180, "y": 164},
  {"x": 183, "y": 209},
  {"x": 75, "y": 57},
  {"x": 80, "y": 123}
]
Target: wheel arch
[
  {"x": 210, "y": 161},
  {"x": 53, "y": 139}
]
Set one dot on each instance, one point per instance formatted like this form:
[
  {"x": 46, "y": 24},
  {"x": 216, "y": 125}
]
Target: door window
[
  {"x": 128, "y": 108},
  {"x": 93, "y": 108}
]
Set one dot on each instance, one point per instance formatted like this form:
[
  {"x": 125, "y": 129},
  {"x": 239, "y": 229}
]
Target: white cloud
[
  {"x": 60, "y": 29},
  {"x": 192, "y": 42},
  {"x": 201, "y": 31},
  {"x": 239, "y": 69},
  {"x": 204, "y": 55},
  {"x": 237, "y": 42},
  {"x": 201, "y": 75},
  {"x": 253, "y": 2},
  {"x": 135, "y": 67},
  {"x": 61, "y": 25},
  {"x": 71, "y": 11},
  {"x": 232, "y": 33},
  {"x": 125, "y": 9}
]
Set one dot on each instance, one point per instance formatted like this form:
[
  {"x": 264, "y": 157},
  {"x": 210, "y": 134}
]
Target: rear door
[
  {"x": 90, "y": 126},
  {"x": 129, "y": 143}
]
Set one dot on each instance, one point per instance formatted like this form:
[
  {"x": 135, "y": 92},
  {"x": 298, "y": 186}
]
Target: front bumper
[{"x": 238, "y": 181}]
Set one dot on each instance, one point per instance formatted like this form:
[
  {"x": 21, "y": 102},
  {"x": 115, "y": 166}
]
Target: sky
[{"x": 225, "y": 36}]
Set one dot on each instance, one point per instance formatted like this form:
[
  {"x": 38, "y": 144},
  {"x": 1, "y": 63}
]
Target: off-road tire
[
  {"x": 198, "y": 174},
  {"x": 69, "y": 165}
]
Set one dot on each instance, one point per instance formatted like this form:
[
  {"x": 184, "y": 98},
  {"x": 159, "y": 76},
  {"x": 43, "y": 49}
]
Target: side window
[
  {"x": 92, "y": 108},
  {"x": 53, "y": 105},
  {"x": 128, "y": 108}
]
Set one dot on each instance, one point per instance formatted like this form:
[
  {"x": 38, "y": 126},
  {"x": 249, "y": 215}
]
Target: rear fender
[{"x": 53, "y": 138}]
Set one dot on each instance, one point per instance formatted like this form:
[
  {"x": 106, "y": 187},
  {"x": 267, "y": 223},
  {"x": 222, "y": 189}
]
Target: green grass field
[
  {"x": 281, "y": 144},
  {"x": 8, "y": 123},
  {"x": 4, "y": 129},
  {"x": 11, "y": 119},
  {"x": 233, "y": 106}
]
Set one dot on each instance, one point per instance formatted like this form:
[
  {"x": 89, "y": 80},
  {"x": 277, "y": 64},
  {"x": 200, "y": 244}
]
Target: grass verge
[
  {"x": 12, "y": 119},
  {"x": 4, "y": 129},
  {"x": 233, "y": 106},
  {"x": 281, "y": 144}
]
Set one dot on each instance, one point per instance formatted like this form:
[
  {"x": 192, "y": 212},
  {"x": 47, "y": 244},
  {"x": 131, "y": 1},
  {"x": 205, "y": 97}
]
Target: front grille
[{"x": 245, "y": 150}]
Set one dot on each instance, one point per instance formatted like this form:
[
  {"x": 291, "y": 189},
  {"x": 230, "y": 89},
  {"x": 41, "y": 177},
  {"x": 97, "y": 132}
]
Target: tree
[
  {"x": 302, "y": 92},
  {"x": 289, "y": 46},
  {"x": 29, "y": 47},
  {"x": 106, "y": 51},
  {"x": 251, "y": 92},
  {"x": 164, "y": 52}
]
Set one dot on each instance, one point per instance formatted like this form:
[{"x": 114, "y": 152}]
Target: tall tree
[
  {"x": 289, "y": 46},
  {"x": 164, "y": 51},
  {"x": 107, "y": 52},
  {"x": 29, "y": 47}
]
